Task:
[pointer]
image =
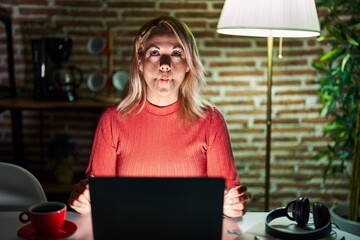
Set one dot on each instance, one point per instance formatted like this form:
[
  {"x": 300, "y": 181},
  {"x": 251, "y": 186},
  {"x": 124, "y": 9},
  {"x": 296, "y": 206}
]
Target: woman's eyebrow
[
  {"x": 178, "y": 46},
  {"x": 157, "y": 47},
  {"x": 152, "y": 45}
]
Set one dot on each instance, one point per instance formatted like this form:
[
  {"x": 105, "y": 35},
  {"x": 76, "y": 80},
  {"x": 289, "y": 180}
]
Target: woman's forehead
[{"x": 163, "y": 41}]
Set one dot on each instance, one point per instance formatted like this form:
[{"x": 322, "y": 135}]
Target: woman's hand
[
  {"x": 235, "y": 201},
  {"x": 79, "y": 198}
]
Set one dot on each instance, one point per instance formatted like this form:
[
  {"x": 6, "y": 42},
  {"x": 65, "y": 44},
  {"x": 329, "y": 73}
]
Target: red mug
[{"x": 47, "y": 217}]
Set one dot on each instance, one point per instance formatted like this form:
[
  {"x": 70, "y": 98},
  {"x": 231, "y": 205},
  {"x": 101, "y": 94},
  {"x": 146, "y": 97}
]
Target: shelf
[
  {"x": 18, "y": 104},
  {"x": 82, "y": 104}
]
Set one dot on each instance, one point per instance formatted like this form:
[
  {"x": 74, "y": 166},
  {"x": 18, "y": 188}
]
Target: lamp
[{"x": 265, "y": 18}]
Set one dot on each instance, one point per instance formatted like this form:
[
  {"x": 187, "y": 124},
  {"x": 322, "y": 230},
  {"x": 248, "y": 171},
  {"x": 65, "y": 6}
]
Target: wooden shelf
[
  {"x": 18, "y": 104},
  {"x": 82, "y": 104}
]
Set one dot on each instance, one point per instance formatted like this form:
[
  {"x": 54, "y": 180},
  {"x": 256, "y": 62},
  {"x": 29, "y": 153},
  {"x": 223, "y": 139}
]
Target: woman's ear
[
  {"x": 187, "y": 69},
  {"x": 140, "y": 66}
]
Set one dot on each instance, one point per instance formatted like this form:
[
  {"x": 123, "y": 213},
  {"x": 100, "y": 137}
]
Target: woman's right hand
[{"x": 79, "y": 198}]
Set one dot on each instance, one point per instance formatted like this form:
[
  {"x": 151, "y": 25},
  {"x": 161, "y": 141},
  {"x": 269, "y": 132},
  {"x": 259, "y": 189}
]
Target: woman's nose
[
  {"x": 165, "y": 64},
  {"x": 164, "y": 68}
]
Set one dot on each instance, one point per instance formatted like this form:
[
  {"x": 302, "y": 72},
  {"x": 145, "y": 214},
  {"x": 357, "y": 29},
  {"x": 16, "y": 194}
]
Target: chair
[{"x": 19, "y": 188}]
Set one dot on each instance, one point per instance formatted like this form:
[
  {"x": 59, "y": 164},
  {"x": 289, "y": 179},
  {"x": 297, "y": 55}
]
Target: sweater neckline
[{"x": 151, "y": 108}]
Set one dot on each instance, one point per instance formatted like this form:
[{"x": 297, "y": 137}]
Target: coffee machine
[{"x": 53, "y": 80}]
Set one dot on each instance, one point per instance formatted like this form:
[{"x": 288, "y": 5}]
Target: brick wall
[{"x": 236, "y": 74}]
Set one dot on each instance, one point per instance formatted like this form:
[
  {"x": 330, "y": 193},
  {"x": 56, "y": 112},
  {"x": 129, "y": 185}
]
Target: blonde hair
[{"x": 192, "y": 105}]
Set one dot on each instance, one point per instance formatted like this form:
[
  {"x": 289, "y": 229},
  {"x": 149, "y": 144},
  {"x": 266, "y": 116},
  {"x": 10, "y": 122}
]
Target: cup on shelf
[
  {"x": 97, "y": 45},
  {"x": 96, "y": 81},
  {"x": 46, "y": 217},
  {"x": 119, "y": 80}
]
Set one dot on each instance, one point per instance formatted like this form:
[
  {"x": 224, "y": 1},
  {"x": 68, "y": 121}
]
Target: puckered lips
[{"x": 164, "y": 78}]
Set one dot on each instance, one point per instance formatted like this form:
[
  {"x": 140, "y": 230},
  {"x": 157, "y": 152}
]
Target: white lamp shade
[{"x": 263, "y": 18}]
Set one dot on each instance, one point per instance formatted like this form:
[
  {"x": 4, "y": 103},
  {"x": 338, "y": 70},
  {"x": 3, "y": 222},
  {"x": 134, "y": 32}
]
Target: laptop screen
[{"x": 157, "y": 208}]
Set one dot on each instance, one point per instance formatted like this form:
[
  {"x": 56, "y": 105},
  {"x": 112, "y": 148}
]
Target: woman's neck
[{"x": 162, "y": 102}]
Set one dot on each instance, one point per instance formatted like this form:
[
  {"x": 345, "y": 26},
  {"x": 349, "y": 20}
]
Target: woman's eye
[
  {"x": 154, "y": 53},
  {"x": 176, "y": 53}
]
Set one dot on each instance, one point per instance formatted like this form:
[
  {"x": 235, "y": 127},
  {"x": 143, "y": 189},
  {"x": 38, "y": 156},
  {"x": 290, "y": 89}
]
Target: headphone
[{"x": 300, "y": 214}]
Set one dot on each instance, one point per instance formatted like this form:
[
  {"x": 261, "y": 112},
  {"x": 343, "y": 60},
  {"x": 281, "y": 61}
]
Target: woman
[{"x": 162, "y": 128}]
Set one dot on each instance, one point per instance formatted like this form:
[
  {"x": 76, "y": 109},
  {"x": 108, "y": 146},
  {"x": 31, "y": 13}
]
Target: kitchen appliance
[{"x": 53, "y": 80}]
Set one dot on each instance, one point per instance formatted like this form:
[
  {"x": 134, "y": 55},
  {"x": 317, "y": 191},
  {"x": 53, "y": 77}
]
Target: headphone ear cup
[
  {"x": 301, "y": 211},
  {"x": 321, "y": 215}
]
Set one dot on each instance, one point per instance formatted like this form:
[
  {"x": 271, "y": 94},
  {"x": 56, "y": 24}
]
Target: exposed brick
[
  {"x": 195, "y": 14},
  {"x": 142, "y": 14},
  {"x": 232, "y": 64},
  {"x": 131, "y": 4},
  {"x": 91, "y": 3},
  {"x": 185, "y": 5},
  {"x": 227, "y": 44},
  {"x": 92, "y": 14},
  {"x": 236, "y": 72},
  {"x": 244, "y": 93},
  {"x": 286, "y": 62},
  {"x": 294, "y": 72},
  {"x": 240, "y": 73},
  {"x": 227, "y": 83},
  {"x": 237, "y": 54},
  {"x": 34, "y": 2},
  {"x": 231, "y": 103},
  {"x": 41, "y": 11}
]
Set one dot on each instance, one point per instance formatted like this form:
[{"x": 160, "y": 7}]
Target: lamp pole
[
  {"x": 279, "y": 18},
  {"x": 270, "y": 44}
]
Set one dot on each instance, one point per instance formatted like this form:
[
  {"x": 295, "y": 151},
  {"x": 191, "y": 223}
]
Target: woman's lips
[{"x": 164, "y": 78}]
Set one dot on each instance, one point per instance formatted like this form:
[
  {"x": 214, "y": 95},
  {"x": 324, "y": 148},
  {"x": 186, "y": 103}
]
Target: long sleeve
[
  {"x": 103, "y": 153},
  {"x": 219, "y": 154}
]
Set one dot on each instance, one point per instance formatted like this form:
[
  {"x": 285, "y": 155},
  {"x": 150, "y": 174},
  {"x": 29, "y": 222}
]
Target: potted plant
[
  {"x": 62, "y": 153},
  {"x": 339, "y": 92}
]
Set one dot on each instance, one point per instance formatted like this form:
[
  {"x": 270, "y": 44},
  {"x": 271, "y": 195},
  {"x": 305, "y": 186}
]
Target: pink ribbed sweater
[{"x": 153, "y": 143}]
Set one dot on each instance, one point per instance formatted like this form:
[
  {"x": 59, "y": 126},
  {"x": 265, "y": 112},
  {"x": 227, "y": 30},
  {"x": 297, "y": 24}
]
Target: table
[{"x": 249, "y": 226}]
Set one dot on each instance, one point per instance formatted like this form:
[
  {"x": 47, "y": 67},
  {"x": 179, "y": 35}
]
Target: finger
[
  {"x": 82, "y": 188},
  {"x": 245, "y": 197},
  {"x": 79, "y": 188},
  {"x": 81, "y": 194},
  {"x": 234, "y": 209},
  {"x": 237, "y": 206},
  {"x": 86, "y": 195},
  {"x": 229, "y": 192},
  {"x": 236, "y": 191},
  {"x": 80, "y": 207},
  {"x": 84, "y": 183},
  {"x": 83, "y": 209},
  {"x": 233, "y": 213},
  {"x": 240, "y": 197},
  {"x": 242, "y": 189}
]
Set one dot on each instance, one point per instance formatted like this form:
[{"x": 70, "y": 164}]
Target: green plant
[{"x": 339, "y": 91}]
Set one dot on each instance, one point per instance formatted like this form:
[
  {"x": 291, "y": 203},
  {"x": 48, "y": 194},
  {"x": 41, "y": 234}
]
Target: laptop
[{"x": 157, "y": 208}]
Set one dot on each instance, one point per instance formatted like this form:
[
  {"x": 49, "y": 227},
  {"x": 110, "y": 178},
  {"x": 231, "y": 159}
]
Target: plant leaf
[
  {"x": 352, "y": 41},
  {"x": 344, "y": 61},
  {"x": 335, "y": 33},
  {"x": 332, "y": 53},
  {"x": 323, "y": 38},
  {"x": 357, "y": 25},
  {"x": 318, "y": 66}
]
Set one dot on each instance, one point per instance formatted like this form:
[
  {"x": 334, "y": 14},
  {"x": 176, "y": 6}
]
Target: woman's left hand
[{"x": 235, "y": 201}]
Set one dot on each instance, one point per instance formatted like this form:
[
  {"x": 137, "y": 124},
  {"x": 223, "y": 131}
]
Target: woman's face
[{"x": 163, "y": 67}]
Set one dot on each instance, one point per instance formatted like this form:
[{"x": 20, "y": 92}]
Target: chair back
[{"x": 19, "y": 189}]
